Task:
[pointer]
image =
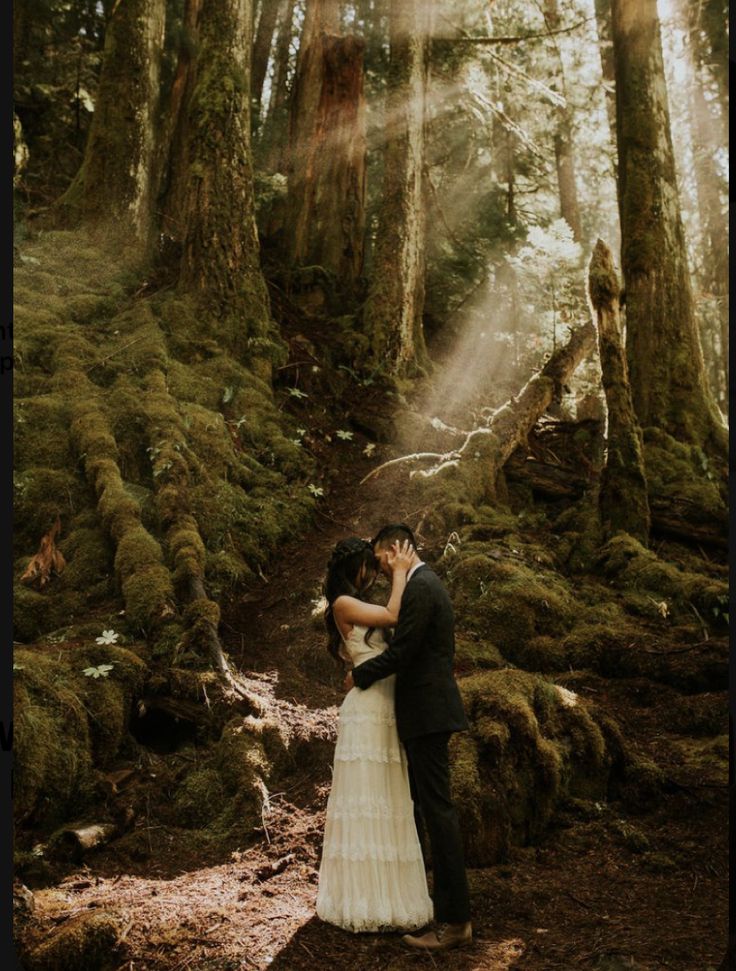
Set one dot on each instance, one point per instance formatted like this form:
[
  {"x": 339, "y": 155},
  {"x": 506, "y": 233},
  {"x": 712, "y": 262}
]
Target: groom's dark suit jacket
[{"x": 420, "y": 655}]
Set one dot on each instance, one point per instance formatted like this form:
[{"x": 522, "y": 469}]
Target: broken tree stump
[{"x": 624, "y": 502}]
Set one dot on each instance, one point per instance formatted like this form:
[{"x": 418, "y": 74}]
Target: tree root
[{"x": 143, "y": 578}]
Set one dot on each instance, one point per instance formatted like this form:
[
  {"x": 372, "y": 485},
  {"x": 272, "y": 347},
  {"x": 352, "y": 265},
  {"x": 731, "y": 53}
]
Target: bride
[{"x": 372, "y": 875}]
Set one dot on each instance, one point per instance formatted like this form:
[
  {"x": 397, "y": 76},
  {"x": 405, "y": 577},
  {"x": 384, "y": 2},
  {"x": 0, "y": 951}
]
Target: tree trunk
[
  {"x": 220, "y": 252},
  {"x": 664, "y": 354},
  {"x": 261, "y": 54},
  {"x": 712, "y": 196},
  {"x": 393, "y": 312},
  {"x": 326, "y": 202},
  {"x": 275, "y": 128},
  {"x": 623, "y": 494},
  {"x": 605, "y": 47},
  {"x": 709, "y": 33},
  {"x": 115, "y": 182},
  {"x": 563, "y": 141}
]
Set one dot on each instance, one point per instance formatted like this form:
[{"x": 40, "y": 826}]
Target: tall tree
[
  {"x": 663, "y": 347},
  {"x": 563, "y": 138},
  {"x": 605, "y": 48},
  {"x": 116, "y": 179},
  {"x": 709, "y": 36},
  {"x": 275, "y": 128},
  {"x": 262, "y": 51},
  {"x": 393, "y": 311},
  {"x": 213, "y": 177},
  {"x": 327, "y": 147}
]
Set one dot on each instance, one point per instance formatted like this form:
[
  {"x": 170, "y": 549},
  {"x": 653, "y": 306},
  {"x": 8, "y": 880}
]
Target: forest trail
[{"x": 602, "y": 890}]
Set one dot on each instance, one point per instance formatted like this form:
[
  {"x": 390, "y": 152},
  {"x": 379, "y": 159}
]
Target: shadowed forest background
[{"x": 291, "y": 269}]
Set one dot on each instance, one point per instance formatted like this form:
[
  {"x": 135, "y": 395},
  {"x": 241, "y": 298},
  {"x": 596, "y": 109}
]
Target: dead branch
[{"x": 47, "y": 562}]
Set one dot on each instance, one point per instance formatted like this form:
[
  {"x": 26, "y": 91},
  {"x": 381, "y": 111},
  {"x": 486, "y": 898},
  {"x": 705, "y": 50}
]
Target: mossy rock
[
  {"x": 531, "y": 743},
  {"x": 471, "y": 655},
  {"x": 542, "y": 653},
  {"x": 509, "y": 603},
  {"x": 199, "y": 796},
  {"x": 626, "y": 563},
  {"x": 91, "y": 940},
  {"x": 66, "y": 724},
  {"x": 642, "y": 787}
]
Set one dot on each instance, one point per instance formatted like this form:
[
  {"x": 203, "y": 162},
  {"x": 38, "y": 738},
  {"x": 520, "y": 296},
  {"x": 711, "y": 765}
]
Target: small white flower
[
  {"x": 568, "y": 698},
  {"x": 101, "y": 671},
  {"x": 316, "y": 490},
  {"x": 344, "y": 435},
  {"x": 107, "y": 637},
  {"x": 369, "y": 449}
]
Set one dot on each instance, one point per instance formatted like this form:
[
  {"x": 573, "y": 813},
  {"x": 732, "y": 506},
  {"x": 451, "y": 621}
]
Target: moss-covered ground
[{"x": 592, "y": 783}]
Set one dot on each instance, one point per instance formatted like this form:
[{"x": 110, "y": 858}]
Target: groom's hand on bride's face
[{"x": 348, "y": 683}]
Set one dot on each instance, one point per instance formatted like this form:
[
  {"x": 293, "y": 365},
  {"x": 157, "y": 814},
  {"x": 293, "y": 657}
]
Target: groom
[{"x": 428, "y": 710}]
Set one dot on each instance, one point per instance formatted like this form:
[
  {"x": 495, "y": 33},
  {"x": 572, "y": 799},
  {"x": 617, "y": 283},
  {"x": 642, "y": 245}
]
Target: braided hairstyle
[{"x": 345, "y": 563}]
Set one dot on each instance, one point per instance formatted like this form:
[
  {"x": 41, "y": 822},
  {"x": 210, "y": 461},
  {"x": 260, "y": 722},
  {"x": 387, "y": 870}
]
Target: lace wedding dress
[{"x": 372, "y": 875}]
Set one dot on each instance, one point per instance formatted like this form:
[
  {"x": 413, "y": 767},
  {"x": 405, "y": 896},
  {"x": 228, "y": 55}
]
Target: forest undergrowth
[{"x": 592, "y": 785}]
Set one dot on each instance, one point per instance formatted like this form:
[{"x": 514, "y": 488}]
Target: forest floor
[{"x": 604, "y": 890}]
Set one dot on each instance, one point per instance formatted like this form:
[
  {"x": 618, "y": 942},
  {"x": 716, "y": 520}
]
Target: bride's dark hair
[{"x": 342, "y": 571}]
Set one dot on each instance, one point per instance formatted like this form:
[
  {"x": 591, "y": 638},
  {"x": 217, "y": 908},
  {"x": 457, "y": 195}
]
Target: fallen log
[
  {"x": 488, "y": 448},
  {"x": 73, "y": 842}
]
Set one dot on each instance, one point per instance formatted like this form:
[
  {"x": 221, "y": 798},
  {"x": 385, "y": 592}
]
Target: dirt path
[{"x": 604, "y": 891}]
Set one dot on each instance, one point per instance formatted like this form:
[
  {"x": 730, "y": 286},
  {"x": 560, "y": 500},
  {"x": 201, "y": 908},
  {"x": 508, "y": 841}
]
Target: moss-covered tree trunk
[
  {"x": 213, "y": 178},
  {"x": 563, "y": 140},
  {"x": 663, "y": 347},
  {"x": 115, "y": 183},
  {"x": 326, "y": 203},
  {"x": 393, "y": 312},
  {"x": 623, "y": 495}
]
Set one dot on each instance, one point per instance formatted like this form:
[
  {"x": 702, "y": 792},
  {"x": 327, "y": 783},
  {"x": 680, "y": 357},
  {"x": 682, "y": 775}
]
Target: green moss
[
  {"x": 470, "y": 655},
  {"x": 199, "y": 796},
  {"x": 511, "y": 603},
  {"x": 530, "y": 746},
  {"x": 66, "y": 723},
  {"x": 147, "y": 592},
  {"x": 88, "y": 940},
  {"x": 542, "y": 653},
  {"x": 642, "y": 785},
  {"x": 625, "y": 562}
]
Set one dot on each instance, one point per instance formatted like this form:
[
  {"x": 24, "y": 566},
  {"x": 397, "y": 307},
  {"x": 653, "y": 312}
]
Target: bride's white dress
[{"x": 372, "y": 875}]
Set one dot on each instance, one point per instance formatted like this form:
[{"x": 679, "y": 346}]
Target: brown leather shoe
[{"x": 445, "y": 937}]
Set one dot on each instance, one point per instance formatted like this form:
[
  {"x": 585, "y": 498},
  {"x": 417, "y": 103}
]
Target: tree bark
[
  {"x": 326, "y": 200},
  {"x": 261, "y": 53},
  {"x": 275, "y": 129},
  {"x": 563, "y": 140},
  {"x": 605, "y": 48},
  {"x": 709, "y": 33},
  {"x": 393, "y": 311},
  {"x": 220, "y": 251},
  {"x": 115, "y": 183},
  {"x": 712, "y": 198},
  {"x": 664, "y": 354},
  {"x": 623, "y": 495}
]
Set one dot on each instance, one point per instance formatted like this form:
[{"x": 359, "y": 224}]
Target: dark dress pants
[{"x": 429, "y": 775}]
